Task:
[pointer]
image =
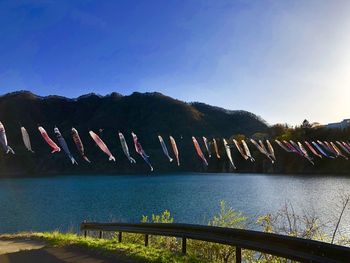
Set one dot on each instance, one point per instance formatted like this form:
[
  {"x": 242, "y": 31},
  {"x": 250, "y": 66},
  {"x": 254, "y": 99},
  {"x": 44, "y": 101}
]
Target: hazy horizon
[{"x": 285, "y": 61}]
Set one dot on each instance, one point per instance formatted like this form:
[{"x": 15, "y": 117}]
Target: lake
[{"x": 63, "y": 202}]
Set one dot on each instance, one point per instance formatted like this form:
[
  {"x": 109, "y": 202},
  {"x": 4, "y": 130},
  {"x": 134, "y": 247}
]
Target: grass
[{"x": 109, "y": 247}]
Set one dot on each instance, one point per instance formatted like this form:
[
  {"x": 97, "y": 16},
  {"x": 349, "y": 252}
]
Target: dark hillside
[{"x": 147, "y": 114}]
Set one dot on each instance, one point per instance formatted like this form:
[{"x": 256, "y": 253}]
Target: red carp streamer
[
  {"x": 102, "y": 145},
  {"x": 49, "y": 141},
  {"x": 199, "y": 151},
  {"x": 175, "y": 150}
]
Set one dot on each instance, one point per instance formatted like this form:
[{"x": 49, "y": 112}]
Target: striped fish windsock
[
  {"x": 140, "y": 151},
  {"x": 239, "y": 149},
  {"x": 3, "y": 140},
  {"x": 338, "y": 151},
  {"x": 228, "y": 153},
  {"x": 297, "y": 148},
  {"x": 247, "y": 151},
  {"x": 271, "y": 150},
  {"x": 292, "y": 148},
  {"x": 312, "y": 149},
  {"x": 346, "y": 145},
  {"x": 282, "y": 146},
  {"x": 326, "y": 149},
  {"x": 205, "y": 140},
  {"x": 175, "y": 150},
  {"x": 319, "y": 148},
  {"x": 216, "y": 148},
  {"x": 79, "y": 144},
  {"x": 103, "y": 147},
  {"x": 198, "y": 150},
  {"x": 48, "y": 140},
  {"x": 125, "y": 148},
  {"x": 64, "y": 145},
  {"x": 305, "y": 153},
  {"x": 330, "y": 148},
  {"x": 26, "y": 139},
  {"x": 343, "y": 147},
  {"x": 262, "y": 145},
  {"x": 261, "y": 149},
  {"x": 164, "y": 148}
]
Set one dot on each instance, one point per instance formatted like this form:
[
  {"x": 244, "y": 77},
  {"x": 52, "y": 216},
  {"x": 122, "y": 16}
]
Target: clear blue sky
[{"x": 283, "y": 60}]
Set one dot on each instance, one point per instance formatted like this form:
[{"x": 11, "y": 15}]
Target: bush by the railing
[
  {"x": 227, "y": 217},
  {"x": 285, "y": 221}
]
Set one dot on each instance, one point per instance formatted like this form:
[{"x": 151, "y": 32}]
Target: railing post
[
  {"x": 183, "y": 245},
  {"x": 238, "y": 254},
  {"x": 120, "y": 237},
  {"x": 146, "y": 240},
  {"x": 84, "y": 229},
  {"x": 100, "y": 235}
]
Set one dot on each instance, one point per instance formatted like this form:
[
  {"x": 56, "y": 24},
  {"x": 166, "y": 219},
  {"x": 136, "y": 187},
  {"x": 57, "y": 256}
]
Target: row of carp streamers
[{"x": 319, "y": 149}]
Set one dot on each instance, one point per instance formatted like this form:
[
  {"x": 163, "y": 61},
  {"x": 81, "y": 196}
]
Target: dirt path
[{"x": 33, "y": 251}]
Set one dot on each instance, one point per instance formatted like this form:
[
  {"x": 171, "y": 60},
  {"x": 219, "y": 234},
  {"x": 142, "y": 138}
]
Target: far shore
[{"x": 43, "y": 175}]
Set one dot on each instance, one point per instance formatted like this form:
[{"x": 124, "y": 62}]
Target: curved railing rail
[{"x": 303, "y": 250}]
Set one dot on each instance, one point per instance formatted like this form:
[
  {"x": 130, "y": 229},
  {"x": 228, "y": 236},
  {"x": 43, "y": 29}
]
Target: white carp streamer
[
  {"x": 261, "y": 147},
  {"x": 125, "y": 148},
  {"x": 283, "y": 146},
  {"x": 103, "y": 147},
  {"x": 26, "y": 139},
  {"x": 305, "y": 153},
  {"x": 3, "y": 140},
  {"x": 239, "y": 149},
  {"x": 247, "y": 151},
  {"x": 205, "y": 140}
]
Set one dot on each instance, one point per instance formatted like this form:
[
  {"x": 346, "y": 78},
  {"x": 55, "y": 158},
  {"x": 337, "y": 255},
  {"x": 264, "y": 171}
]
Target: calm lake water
[{"x": 63, "y": 202}]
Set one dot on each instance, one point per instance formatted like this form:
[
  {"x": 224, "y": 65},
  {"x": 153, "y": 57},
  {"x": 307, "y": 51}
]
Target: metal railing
[{"x": 303, "y": 250}]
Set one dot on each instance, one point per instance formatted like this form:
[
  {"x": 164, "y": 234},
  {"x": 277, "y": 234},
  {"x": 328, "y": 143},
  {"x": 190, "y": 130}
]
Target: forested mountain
[{"x": 146, "y": 114}]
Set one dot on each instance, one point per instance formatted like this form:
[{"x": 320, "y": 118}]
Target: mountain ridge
[{"x": 147, "y": 114}]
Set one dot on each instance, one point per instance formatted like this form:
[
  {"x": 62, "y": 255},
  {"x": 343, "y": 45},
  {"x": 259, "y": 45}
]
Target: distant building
[{"x": 339, "y": 125}]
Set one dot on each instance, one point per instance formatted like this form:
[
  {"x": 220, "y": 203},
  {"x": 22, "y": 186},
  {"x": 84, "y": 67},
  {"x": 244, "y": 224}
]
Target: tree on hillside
[{"x": 306, "y": 124}]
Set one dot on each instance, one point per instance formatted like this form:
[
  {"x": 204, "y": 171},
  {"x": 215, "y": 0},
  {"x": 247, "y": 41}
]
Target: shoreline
[{"x": 47, "y": 175}]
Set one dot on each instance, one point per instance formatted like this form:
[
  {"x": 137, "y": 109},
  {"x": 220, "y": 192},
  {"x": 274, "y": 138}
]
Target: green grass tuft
[{"x": 112, "y": 247}]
